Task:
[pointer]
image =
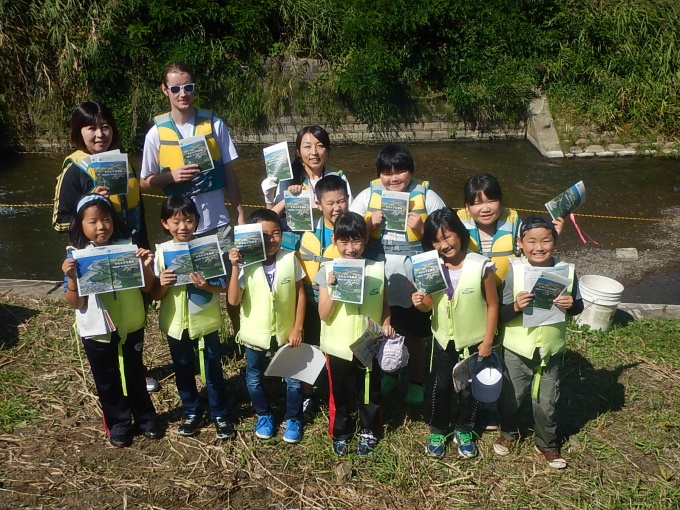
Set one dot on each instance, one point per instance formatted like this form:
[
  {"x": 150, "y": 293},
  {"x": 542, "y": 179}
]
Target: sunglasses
[{"x": 188, "y": 88}]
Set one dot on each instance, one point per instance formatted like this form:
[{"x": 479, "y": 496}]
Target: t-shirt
[
  {"x": 283, "y": 186},
  {"x": 210, "y": 205},
  {"x": 270, "y": 273},
  {"x": 452, "y": 277},
  {"x": 398, "y": 268}
]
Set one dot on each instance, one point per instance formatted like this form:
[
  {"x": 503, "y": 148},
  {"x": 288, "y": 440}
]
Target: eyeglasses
[{"x": 188, "y": 88}]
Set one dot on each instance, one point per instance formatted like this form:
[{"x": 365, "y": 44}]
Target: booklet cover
[
  {"x": 364, "y": 347},
  {"x": 395, "y": 209},
  {"x": 462, "y": 373},
  {"x": 202, "y": 255},
  {"x": 111, "y": 170},
  {"x": 103, "y": 269},
  {"x": 277, "y": 161},
  {"x": 349, "y": 276},
  {"x": 299, "y": 211},
  {"x": 547, "y": 288},
  {"x": 195, "y": 151},
  {"x": 551, "y": 277},
  {"x": 427, "y": 272},
  {"x": 566, "y": 203},
  {"x": 250, "y": 242}
]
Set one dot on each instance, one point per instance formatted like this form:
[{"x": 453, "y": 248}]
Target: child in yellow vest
[
  {"x": 530, "y": 354},
  {"x": 343, "y": 323},
  {"x": 464, "y": 320},
  {"x": 272, "y": 300}
]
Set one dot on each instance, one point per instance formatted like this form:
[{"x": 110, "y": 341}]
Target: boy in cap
[{"x": 531, "y": 352}]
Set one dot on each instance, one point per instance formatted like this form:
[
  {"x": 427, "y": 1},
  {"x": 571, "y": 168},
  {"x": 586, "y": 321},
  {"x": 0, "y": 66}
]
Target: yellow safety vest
[
  {"x": 550, "y": 339},
  {"x": 463, "y": 318},
  {"x": 417, "y": 190},
  {"x": 346, "y": 323},
  {"x": 170, "y": 154},
  {"x": 126, "y": 309},
  {"x": 311, "y": 254},
  {"x": 504, "y": 243},
  {"x": 266, "y": 314}
]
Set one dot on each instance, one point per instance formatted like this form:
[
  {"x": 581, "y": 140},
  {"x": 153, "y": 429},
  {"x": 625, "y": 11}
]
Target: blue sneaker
[
  {"x": 339, "y": 447},
  {"x": 436, "y": 445},
  {"x": 293, "y": 432},
  {"x": 367, "y": 443},
  {"x": 264, "y": 428},
  {"x": 466, "y": 443}
]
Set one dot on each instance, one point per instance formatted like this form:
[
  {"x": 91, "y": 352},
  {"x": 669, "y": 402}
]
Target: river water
[{"x": 626, "y": 187}]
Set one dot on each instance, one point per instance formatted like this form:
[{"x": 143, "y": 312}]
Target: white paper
[
  {"x": 90, "y": 319},
  {"x": 532, "y": 317},
  {"x": 303, "y": 363}
]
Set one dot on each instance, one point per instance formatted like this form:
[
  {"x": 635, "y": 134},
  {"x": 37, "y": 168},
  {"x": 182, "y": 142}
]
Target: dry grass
[{"x": 621, "y": 408}]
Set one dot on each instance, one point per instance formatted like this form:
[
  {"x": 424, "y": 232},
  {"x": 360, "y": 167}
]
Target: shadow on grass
[{"x": 11, "y": 317}]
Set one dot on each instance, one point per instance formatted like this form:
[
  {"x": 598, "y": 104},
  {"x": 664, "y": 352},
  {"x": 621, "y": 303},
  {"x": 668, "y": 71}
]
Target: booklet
[
  {"x": 566, "y": 203},
  {"x": 202, "y": 255},
  {"x": 277, "y": 161},
  {"x": 111, "y": 170},
  {"x": 103, "y": 269},
  {"x": 462, "y": 373},
  {"x": 195, "y": 151},
  {"x": 349, "y": 284},
  {"x": 364, "y": 346},
  {"x": 428, "y": 275},
  {"x": 395, "y": 209},
  {"x": 303, "y": 363},
  {"x": 250, "y": 242},
  {"x": 551, "y": 278},
  {"x": 299, "y": 211}
]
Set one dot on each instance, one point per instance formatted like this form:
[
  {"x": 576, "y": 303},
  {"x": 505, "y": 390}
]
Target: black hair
[
  {"x": 176, "y": 67},
  {"x": 77, "y": 237},
  {"x": 86, "y": 114},
  {"x": 259, "y": 215},
  {"x": 330, "y": 183},
  {"x": 482, "y": 183},
  {"x": 394, "y": 157},
  {"x": 178, "y": 204},
  {"x": 317, "y": 132},
  {"x": 350, "y": 225},
  {"x": 444, "y": 219}
]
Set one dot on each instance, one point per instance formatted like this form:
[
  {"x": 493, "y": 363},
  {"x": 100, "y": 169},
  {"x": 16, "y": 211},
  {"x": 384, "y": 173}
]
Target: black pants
[{"x": 119, "y": 409}]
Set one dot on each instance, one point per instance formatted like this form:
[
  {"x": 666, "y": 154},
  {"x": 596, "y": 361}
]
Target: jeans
[
  {"x": 256, "y": 362},
  {"x": 183, "y": 358}
]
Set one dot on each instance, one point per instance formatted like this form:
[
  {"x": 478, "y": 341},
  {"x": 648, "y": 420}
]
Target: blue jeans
[
  {"x": 184, "y": 359},
  {"x": 256, "y": 362}
]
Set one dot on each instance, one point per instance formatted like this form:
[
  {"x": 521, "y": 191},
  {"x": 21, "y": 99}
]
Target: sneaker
[
  {"x": 151, "y": 384},
  {"x": 554, "y": 458},
  {"x": 264, "y": 428},
  {"x": 293, "y": 432},
  {"x": 224, "y": 429},
  {"x": 415, "y": 394},
  {"x": 466, "y": 443},
  {"x": 190, "y": 425},
  {"x": 121, "y": 441},
  {"x": 436, "y": 445},
  {"x": 367, "y": 443},
  {"x": 339, "y": 447},
  {"x": 309, "y": 408},
  {"x": 152, "y": 433},
  {"x": 388, "y": 384},
  {"x": 502, "y": 446}
]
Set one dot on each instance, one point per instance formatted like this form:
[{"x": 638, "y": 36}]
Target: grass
[{"x": 620, "y": 408}]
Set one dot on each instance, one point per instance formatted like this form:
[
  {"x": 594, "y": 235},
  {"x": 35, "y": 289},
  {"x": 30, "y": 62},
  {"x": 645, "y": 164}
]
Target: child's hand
[
  {"x": 375, "y": 220},
  {"x": 417, "y": 298},
  {"x": 235, "y": 256},
  {"x": 522, "y": 300},
  {"x": 559, "y": 225},
  {"x": 415, "y": 222},
  {"x": 147, "y": 256},
  {"x": 295, "y": 338},
  {"x": 295, "y": 189},
  {"x": 68, "y": 267},
  {"x": 388, "y": 331},
  {"x": 167, "y": 278},
  {"x": 198, "y": 280},
  {"x": 566, "y": 301},
  {"x": 331, "y": 279},
  {"x": 484, "y": 350},
  {"x": 101, "y": 190}
]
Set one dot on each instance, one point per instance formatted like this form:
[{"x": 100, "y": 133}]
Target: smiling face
[
  {"x": 350, "y": 248},
  {"x": 97, "y": 225},
  {"x": 485, "y": 211},
  {"x": 449, "y": 247},
  {"x": 182, "y": 101},
  {"x": 313, "y": 154},
  {"x": 271, "y": 231},
  {"x": 538, "y": 245},
  {"x": 395, "y": 179},
  {"x": 181, "y": 227},
  {"x": 97, "y": 137},
  {"x": 332, "y": 204}
]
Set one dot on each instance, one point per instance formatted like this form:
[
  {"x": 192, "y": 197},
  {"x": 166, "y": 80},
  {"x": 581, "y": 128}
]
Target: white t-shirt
[
  {"x": 398, "y": 268},
  {"x": 210, "y": 205},
  {"x": 270, "y": 273},
  {"x": 283, "y": 186}
]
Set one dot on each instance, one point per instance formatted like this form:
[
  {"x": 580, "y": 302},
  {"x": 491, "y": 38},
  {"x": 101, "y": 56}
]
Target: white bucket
[{"x": 601, "y": 296}]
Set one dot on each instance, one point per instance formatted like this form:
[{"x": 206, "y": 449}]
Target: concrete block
[
  {"x": 441, "y": 135},
  {"x": 616, "y": 147},
  {"x": 605, "y": 154},
  {"x": 594, "y": 149},
  {"x": 627, "y": 152},
  {"x": 430, "y": 125},
  {"x": 627, "y": 254},
  {"x": 585, "y": 155}
]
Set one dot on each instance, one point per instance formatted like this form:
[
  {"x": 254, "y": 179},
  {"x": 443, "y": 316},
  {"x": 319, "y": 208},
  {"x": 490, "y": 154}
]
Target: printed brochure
[
  {"x": 462, "y": 373},
  {"x": 195, "y": 151},
  {"x": 427, "y": 272},
  {"x": 277, "y": 161},
  {"x": 104, "y": 269},
  {"x": 364, "y": 346},
  {"x": 566, "y": 203},
  {"x": 201, "y": 255},
  {"x": 349, "y": 280},
  {"x": 395, "y": 209},
  {"x": 550, "y": 279},
  {"x": 250, "y": 242},
  {"x": 111, "y": 170},
  {"x": 299, "y": 211}
]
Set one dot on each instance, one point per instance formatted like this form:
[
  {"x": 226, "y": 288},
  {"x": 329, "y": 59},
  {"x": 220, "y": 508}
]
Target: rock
[
  {"x": 343, "y": 472},
  {"x": 605, "y": 153},
  {"x": 616, "y": 147},
  {"x": 627, "y": 254},
  {"x": 594, "y": 149},
  {"x": 585, "y": 155}
]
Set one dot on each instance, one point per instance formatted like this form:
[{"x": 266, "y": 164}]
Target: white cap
[
  {"x": 487, "y": 379},
  {"x": 392, "y": 354}
]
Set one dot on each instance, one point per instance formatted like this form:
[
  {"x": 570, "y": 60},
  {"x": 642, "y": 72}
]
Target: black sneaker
[
  {"x": 121, "y": 441},
  {"x": 190, "y": 425},
  {"x": 153, "y": 433},
  {"x": 367, "y": 443},
  {"x": 223, "y": 428}
]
